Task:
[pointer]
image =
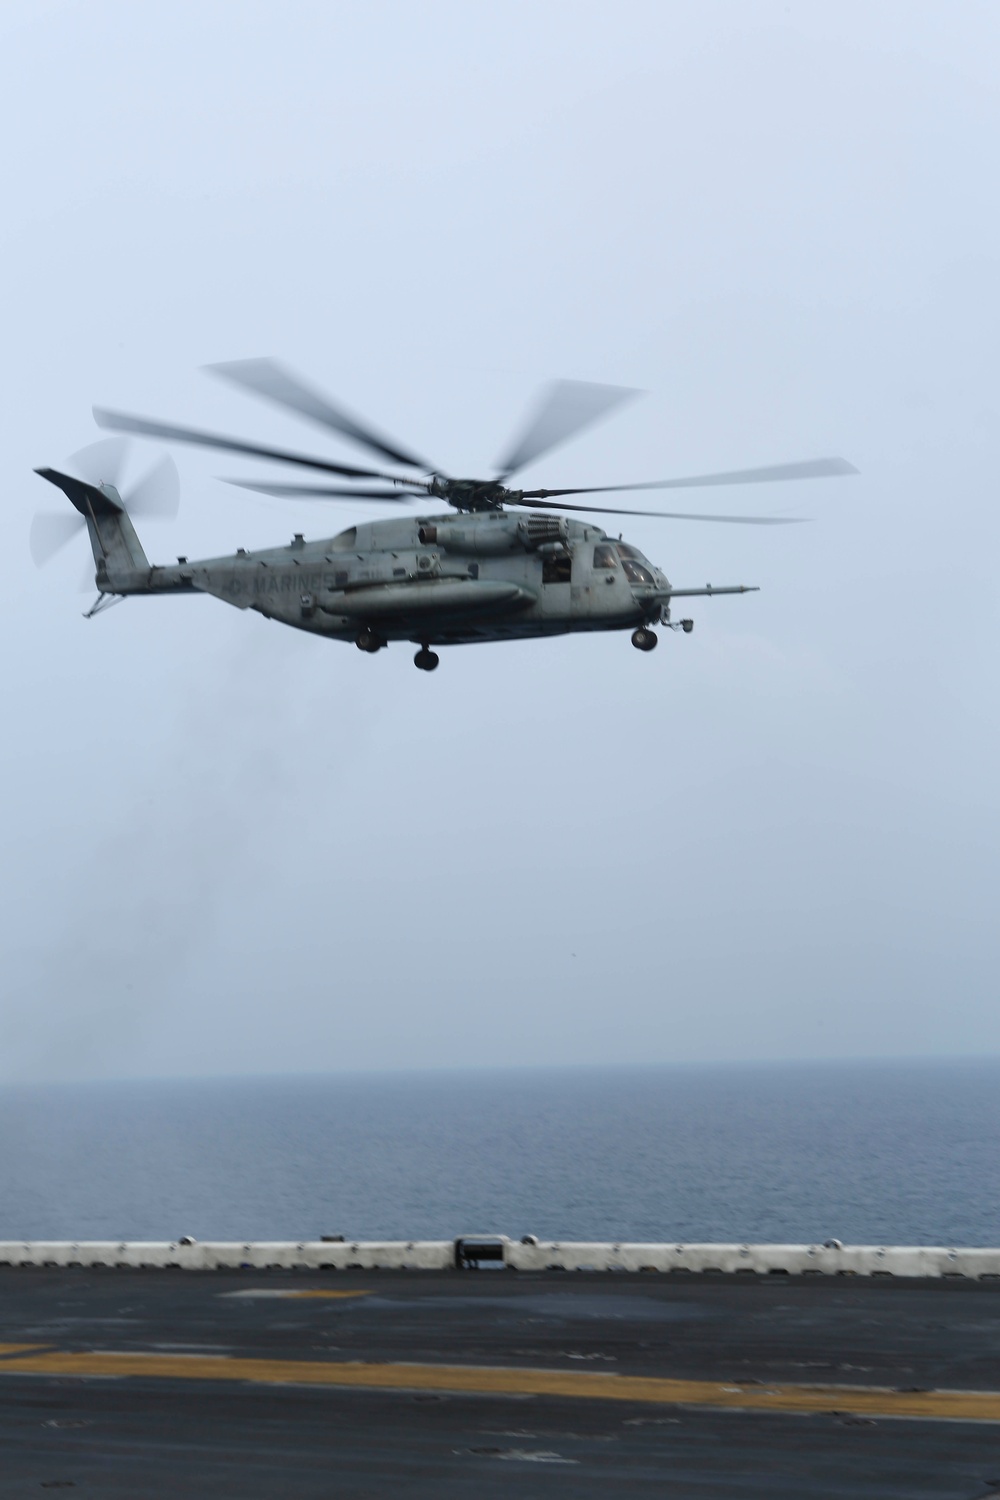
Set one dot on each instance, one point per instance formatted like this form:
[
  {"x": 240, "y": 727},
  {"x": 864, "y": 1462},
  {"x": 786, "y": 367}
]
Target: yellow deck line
[
  {"x": 269, "y": 1293},
  {"x": 873, "y": 1401},
  {"x": 326, "y": 1295}
]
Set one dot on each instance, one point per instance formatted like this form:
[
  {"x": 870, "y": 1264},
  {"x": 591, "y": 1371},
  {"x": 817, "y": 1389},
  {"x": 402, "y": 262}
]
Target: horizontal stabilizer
[{"x": 88, "y": 499}]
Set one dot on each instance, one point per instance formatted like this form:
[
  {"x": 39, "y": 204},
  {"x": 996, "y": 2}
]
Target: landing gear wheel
[
  {"x": 644, "y": 640},
  {"x": 367, "y": 640},
  {"x": 426, "y": 660}
]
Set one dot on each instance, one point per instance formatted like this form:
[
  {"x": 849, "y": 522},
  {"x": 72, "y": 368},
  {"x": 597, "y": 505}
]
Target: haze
[{"x": 233, "y": 848}]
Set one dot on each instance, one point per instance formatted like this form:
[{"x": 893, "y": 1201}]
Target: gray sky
[{"x": 230, "y": 847}]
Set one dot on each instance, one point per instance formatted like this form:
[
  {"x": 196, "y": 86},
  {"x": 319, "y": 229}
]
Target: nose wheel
[
  {"x": 644, "y": 640},
  {"x": 425, "y": 660}
]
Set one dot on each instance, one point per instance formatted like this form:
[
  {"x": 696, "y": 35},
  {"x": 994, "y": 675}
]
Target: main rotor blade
[
  {"x": 50, "y": 531},
  {"x": 323, "y": 492},
  {"x": 566, "y": 406},
  {"x": 157, "y": 493},
  {"x": 119, "y": 421},
  {"x": 268, "y": 378},
  {"x": 813, "y": 468},
  {"x": 102, "y": 462},
  {"x": 660, "y": 515}
]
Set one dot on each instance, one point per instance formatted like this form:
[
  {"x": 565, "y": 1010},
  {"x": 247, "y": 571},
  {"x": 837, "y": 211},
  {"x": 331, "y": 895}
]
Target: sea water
[{"x": 874, "y": 1153}]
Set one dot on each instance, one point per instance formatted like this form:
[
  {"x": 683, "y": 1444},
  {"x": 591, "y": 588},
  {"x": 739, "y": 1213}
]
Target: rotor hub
[{"x": 470, "y": 494}]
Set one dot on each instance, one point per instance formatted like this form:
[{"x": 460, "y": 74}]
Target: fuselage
[{"x": 437, "y": 579}]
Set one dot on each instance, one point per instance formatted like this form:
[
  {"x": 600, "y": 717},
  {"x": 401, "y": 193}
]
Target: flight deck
[{"x": 123, "y": 1381}]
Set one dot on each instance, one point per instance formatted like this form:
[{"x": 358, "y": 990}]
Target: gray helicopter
[{"x": 501, "y": 565}]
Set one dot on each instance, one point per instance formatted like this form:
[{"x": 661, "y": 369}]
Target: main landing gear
[{"x": 367, "y": 640}]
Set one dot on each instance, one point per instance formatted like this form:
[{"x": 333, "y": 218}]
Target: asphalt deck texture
[{"x": 148, "y": 1384}]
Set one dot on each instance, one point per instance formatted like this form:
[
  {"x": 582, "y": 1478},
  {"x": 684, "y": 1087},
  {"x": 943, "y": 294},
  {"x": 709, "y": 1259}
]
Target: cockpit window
[
  {"x": 604, "y": 556},
  {"x": 637, "y": 569},
  {"x": 635, "y": 572}
]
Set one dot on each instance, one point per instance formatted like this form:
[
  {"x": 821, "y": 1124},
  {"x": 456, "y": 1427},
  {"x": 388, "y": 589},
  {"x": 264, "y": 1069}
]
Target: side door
[
  {"x": 598, "y": 589},
  {"x": 559, "y": 570}
]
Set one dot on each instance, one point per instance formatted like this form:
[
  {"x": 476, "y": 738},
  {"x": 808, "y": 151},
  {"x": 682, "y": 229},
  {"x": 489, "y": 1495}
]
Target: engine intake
[{"x": 537, "y": 531}]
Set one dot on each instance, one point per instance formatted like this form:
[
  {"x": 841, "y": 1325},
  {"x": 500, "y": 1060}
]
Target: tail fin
[{"x": 117, "y": 550}]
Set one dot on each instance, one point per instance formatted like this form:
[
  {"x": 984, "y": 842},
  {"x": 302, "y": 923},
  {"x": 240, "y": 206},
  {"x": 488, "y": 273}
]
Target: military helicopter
[{"x": 502, "y": 565}]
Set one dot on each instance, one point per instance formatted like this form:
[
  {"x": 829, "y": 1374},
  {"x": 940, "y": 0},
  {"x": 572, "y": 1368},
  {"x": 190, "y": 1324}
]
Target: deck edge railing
[{"x": 468, "y": 1252}]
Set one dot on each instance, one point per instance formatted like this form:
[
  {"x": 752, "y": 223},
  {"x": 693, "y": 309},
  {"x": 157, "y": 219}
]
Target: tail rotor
[{"x": 102, "y": 462}]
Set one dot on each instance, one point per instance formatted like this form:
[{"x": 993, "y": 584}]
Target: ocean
[{"x": 876, "y": 1153}]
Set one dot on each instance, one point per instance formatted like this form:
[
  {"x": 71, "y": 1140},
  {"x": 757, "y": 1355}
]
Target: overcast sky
[{"x": 230, "y": 847}]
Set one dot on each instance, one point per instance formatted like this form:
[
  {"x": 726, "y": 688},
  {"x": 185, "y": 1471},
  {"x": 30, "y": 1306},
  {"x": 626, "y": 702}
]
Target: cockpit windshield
[
  {"x": 604, "y": 556},
  {"x": 637, "y": 569}
]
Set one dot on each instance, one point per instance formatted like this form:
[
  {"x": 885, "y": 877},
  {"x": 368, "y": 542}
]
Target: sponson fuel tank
[{"x": 430, "y": 596}]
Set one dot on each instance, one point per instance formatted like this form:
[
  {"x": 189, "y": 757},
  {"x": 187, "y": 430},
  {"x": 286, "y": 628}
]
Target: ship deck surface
[{"x": 298, "y": 1385}]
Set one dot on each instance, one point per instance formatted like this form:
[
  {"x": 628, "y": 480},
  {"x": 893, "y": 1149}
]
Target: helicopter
[{"x": 501, "y": 564}]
